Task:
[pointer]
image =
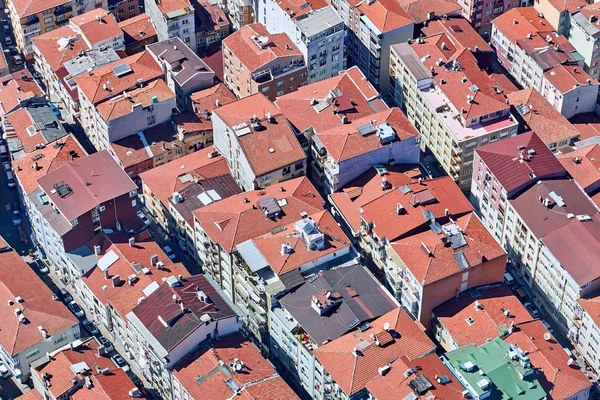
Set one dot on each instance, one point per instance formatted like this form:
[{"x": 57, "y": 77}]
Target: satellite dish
[
  {"x": 386, "y": 326},
  {"x": 238, "y": 367},
  {"x": 570, "y": 362},
  {"x": 547, "y": 336}
]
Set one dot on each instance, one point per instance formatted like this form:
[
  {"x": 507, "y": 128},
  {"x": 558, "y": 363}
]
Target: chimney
[
  {"x": 97, "y": 250},
  {"x": 153, "y": 259},
  {"x": 132, "y": 241},
  {"x": 116, "y": 280},
  {"x": 430, "y": 15},
  {"x": 106, "y": 275},
  {"x": 217, "y": 103}
]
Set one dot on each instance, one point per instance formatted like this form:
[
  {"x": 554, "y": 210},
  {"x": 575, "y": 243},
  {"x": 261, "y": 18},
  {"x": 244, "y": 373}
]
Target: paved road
[{"x": 8, "y": 231}]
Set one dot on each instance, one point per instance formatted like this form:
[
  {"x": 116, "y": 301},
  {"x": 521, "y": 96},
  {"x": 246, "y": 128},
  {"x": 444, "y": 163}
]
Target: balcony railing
[{"x": 62, "y": 10}]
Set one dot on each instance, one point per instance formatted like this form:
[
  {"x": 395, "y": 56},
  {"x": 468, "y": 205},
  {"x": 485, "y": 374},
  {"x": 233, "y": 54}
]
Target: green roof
[{"x": 508, "y": 378}]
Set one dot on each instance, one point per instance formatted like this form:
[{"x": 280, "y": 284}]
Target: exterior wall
[
  {"x": 558, "y": 20},
  {"x": 325, "y": 47},
  {"x": 19, "y": 364},
  {"x": 587, "y": 45},
  {"x": 83, "y": 6},
  {"x": 588, "y": 340},
  {"x": 139, "y": 46},
  {"x": 580, "y": 99},
  {"x": 240, "y": 12},
  {"x": 125, "y": 9},
  {"x": 155, "y": 207},
  {"x": 480, "y": 13},
  {"x": 182, "y": 26},
  {"x": 26, "y": 28}
]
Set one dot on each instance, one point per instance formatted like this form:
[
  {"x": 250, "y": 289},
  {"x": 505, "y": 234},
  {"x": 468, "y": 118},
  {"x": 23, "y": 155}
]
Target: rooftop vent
[
  {"x": 63, "y": 189},
  {"x": 121, "y": 70}
]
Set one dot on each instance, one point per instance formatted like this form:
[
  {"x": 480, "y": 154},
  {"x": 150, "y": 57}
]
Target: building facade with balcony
[
  {"x": 584, "y": 35},
  {"x": 317, "y": 31},
  {"x": 256, "y": 61},
  {"x": 31, "y": 18},
  {"x": 480, "y": 14},
  {"x": 436, "y": 87},
  {"x": 172, "y": 18},
  {"x": 125, "y": 9}
]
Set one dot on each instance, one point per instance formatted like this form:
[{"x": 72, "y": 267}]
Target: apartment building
[
  {"x": 583, "y": 166},
  {"x": 205, "y": 101},
  {"x": 83, "y": 369},
  {"x": 31, "y": 128},
  {"x": 240, "y": 12},
  {"x": 233, "y": 356},
  {"x": 535, "y": 214},
  {"x": 480, "y": 13},
  {"x": 534, "y": 113},
  {"x": 21, "y": 91},
  {"x": 558, "y": 13},
  {"x": 171, "y": 320},
  {"x": 537, "y": 56},
  {"x": 185, "y": 72},
  {"x": 75, "y": 202},
  {"x": 348, "y": 363},
  {"x": 341, "y": 154},
  {"x": 33, "y": 323},
  {"x": 455, "y": 105},
  {"x": 257, "y": 61},
  {"x": 316, "y": 29},
  {"x": 212, "y": 24},
  {"x": 29, "y": 18},
  {"x": 406, "y": 225},
  {"x": 138, "y": 32},
  {"x": 259, "y": 145},
  {"x": 589, "y": 332},
  {"x": 99, "y": 29},
  {"x": 125, "y": 9},
  {"x": 125, "y": 267},
  {"x": 583, "y": 35},
  {"x": 173, "y": 18},
  {"x": 302, "y": 320},
  {"x": 122, "y": 98},
  {"x": 429, "y": 377}
]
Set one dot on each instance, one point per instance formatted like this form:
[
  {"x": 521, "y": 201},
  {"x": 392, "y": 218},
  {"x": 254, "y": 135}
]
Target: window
[
  {"x": 48, "y": 12},
  {"x": 281, "y": 93},
  {"x": 32, "y": 353},
  {"x": 75, "y": 222},
  {"x": 285, "y": 171},
  {"x": 48, "y": 20},
  {"x": 298, "y": 166},
  {"x": 151, "y": 120},
  {"x": 60, "y": 338},
  {"x": 280, "y": 83},
  {"x": 49, "y": 28},
  {"x": 265, "y": 89}
]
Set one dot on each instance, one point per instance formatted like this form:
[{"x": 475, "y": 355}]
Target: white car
[
  {"x": 6, "y": 166},
  {"x": 4, "y": 371},
  {"x": 16, "y": 218},
  {"x": 169, "y": 252}
]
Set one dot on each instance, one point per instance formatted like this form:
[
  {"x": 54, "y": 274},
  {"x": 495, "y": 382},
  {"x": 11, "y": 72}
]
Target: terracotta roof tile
[
  {"x": 204, "y": 372},
  {"x": 21, "y": 88},
  {"x": 549, "y": 124},
  {"x": 97, "y": 26},
  {"x": 527, "y": 22},
  {"x": 146, "y": 145},
  {"x": 115, "y": 385},
  {"x": 120, "y": 106},
  {"x": 169, "y": 6},
  {"x": 207, "y": 99},
  {"x": 164, "y": 180},
  {"x": 137, "y": 28},
  {"x": 386, "y": 15},
  {"x": 31, "y": 395},
  {"x": 243, "y": 110},
  {"x": 48, "y": 159},
  {"x": 350, "y": 85},
  {"x": 31, "y": 7},
  {"x": 255, "y": 57},
  {"x": 144, "y": 67},
  {"x": 234, "y": 220},
  {"x": 571, "y": 6},
  {"x": 18, "y": 280},
  {"x": 53, "y": 53},
  {"x": 567, "y": 77},
  {"x": 345, "y": 141},
  {"x": 353, "y": 372},
  {"x": 459, "y": 30},
  {"x": 418, "y": 9},
  {"x": 583, "y": 165},
  {"x": 124, "y": 297}
]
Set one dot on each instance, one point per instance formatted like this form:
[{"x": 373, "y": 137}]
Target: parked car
[
  {"x": 90, "y": 327},
  {"x": 532, "y": 310},
  {"x": 6, "y": 28},
  {"x": 8, "y": 41},
  {"x": 169, "y": 252},
  {"x": 4, "y": 371},
  {"x": 41, "y": 266},
  {"x": 13, "y": 50},
  {"x": 143, "y": 217},
  {"x": 6, "y": 166},
  {"x": 36, "y": 75},
  {"x": 16, "y": 218},
  {"x": 18, "y": 60},
  {"x": 65, "y": 296},
  {"x": 106, "y": 343},
  {"x": 4, "y": 152},
  {"x": 120, "y": 362},
  {"x": 10, "y": 178},
  {"x": 55, "y": 110},
  {"x": 76, "y": 309},
  {"x": 15, "y": 205}
]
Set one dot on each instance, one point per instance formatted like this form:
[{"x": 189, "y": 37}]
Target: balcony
[
  {"x": 31, "y": 29},
  {"x": 30, "y": 21},
  {"x": 60, "y": 10}
]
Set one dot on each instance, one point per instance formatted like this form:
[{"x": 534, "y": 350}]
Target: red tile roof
[
  {"x": 586, "y": 124},
  {"x": 19, "y": 280},
  {"x": 490, "y": 320},
  {"x": 204, "y": 373},
  {"x": 549, "y": 124},
  {"x": 21, "y": 88},
  {"x": 240, "y": 111},
  {"x": 236, "y": 219},
  {"x": 367, "y": 188},
  {"x": 583, "y": 165},
  {"x": 527, "y": 22},
  {"x": 439, "y": 261},
  {"x": 144, "y": 67},
  {"x": 386, "y": 15},
  {"x": 211, "y": 98},
  {"x": 93, "y": 180},
  {"x": 562, "y": 381},
  {"x": 568, "y": 77},
  {"x": 164, "y": 180},
  {"x": 168, "y": 6},
  {"x": 353, "y": 372},
  {"x": 419, "y": 9},
  {"x": 572, "y": 6},
  {"x": 20, "y": 120},
  {"x": 124, "y": 297},
  {"x": 112, "y": 386},
  {"x": 298, "y": 106},
  {"x": 97, "y": 26},
  {"x": 460, "y": 31},
  {"x": 244, "y": 46},
  {"x": 31, "y": 395},
  {"x": 147, "y": 145},
  {"x": 120, "y": 106},
  {"x": 503, "y": 159},
  {"x": 31, "y": 7},
  {"x": 137, "y": 28},
  {"x": 48, "y": 159},
  {"x": 394, "y": 384},
  {"x": 270, "y": 244},
  {"x": 592, "y": 307},
  {"x": 345, "y": 141},
  {"x": 53, "y": 53}
]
